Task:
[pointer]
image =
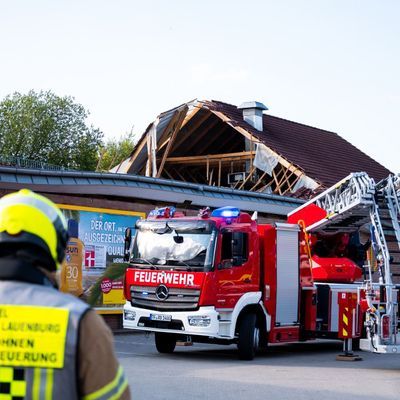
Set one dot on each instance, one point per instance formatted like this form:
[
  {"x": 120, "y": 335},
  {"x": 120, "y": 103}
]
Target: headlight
[
  {"x": 198, "y": 320},
  {"x": 129, "y": 315}
]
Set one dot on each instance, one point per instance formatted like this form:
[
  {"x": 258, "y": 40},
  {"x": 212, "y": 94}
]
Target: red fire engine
[{"x": 223, "y": 278}]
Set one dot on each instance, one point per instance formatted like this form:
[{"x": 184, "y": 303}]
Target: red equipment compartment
[
  {"x": 347, "y": 306},
  {"x": 267, "y": 235},
  {"x": 335, "y": 269},
  {"x": 283, "y": 334},
  {"x": 308, "y": 311}
]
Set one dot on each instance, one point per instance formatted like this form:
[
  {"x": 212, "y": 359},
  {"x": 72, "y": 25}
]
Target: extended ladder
[
  {"x": 351, "y": 203},
  {"x": 347, "y": 205}
]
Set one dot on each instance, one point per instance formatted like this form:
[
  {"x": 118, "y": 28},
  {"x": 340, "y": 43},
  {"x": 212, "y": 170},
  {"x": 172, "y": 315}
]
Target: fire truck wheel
[
  {"x": 165, "y": 343},
  {"x": 249, "y": 337}
]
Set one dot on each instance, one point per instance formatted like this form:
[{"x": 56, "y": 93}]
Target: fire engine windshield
[{"x": 181, "y": 245}]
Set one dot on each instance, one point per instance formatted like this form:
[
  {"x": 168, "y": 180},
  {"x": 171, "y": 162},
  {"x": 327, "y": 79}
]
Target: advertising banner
[{"x": 95, "y": 253}]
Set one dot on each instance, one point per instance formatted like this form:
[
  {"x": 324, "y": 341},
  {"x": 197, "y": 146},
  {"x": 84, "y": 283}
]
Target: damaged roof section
[
  {"x": 219, "y": 144},
  {"x": 133, "y": 188}
]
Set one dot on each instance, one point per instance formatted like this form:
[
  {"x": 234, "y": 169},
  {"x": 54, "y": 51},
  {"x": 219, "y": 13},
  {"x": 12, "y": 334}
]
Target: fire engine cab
[{"x": 221, "y": 277}]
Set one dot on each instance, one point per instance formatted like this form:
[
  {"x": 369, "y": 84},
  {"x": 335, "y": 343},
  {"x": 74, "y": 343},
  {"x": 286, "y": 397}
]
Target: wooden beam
[
  {"x": 291, "y": 184},
  {"x": 191, "y": 114},
  {"x": 166, "y": 135},
  {"x": 175, "y": 129},
  {"x": 248, "y": 136},
  {"x": 140, "y": 146},
  {"x": 182, "y": 178},
  {"x": 211, "y": 176},
  {"x": 213, "y": 158},
  {"x": 247, "y": 178},
  {"x": 219, "y": 172},
  {"x": 200, "y": 135},
  {"x": 149, "y": 162},
  {"x": 276, "y": 182},
  {"x": 259, "y": 181},
  {"x": 188, "y": 117},
  {"x": 169, "y": 175},
  {"x": 185, "y": 133},
  {"x": 193, "y": 179},
  {"x": 209, "y": 143}
]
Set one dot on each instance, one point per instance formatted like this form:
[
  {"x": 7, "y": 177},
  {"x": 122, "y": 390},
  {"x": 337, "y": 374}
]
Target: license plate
[{"x": 160, "y": 317}]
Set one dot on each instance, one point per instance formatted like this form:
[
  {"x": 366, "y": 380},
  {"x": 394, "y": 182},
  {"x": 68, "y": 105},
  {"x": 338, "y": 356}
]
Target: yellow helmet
[{"x": 27, "y": 218}]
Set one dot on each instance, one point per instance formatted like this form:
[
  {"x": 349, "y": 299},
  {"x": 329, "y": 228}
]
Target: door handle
[{"x": 247, "y": 280}]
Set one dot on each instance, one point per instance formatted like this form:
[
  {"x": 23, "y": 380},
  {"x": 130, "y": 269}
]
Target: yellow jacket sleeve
[{"x": 99, "y": 373}]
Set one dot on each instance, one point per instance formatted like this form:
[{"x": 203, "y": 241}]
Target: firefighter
[{"x": 52, "y": 345}]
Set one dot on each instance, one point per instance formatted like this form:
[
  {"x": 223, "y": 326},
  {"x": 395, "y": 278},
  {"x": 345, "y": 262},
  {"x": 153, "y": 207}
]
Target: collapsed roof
[{"x": 215, "y": 143}]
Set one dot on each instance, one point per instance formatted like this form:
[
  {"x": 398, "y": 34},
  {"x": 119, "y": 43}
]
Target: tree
[
  {"x": 44, "y": 127},
  {"x": 115, "y": 151}
]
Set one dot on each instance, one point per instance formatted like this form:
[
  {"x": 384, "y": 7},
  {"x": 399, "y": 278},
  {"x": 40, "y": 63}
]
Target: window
[{"x": 235, "y": 247}]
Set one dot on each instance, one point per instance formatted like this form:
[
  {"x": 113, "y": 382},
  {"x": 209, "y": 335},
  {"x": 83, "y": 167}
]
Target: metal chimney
[{"x": 253, "y": 113}]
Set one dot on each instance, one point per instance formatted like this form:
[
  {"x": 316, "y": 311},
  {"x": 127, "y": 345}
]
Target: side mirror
[
  {"x": 178, "y": 239},
  {"x": 127, "y": 243}
]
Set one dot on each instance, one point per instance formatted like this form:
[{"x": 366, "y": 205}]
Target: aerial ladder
[{"x": 355, "y": 202}]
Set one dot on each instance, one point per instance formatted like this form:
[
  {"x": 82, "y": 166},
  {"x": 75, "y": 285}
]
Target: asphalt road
[{"x": 296, "y": 371}]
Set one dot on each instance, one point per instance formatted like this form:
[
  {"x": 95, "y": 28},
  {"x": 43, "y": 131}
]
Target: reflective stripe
[
  {"x": 36, "y": 384},
  {"x": 49, "y": 384},
  {"x": 111, "y": 391},
  {"x": 42, "y": 388},
  {"x": 32, "y": 200}
]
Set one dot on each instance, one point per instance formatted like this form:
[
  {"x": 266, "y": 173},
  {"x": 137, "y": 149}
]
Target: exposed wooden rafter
[
  {"x": 187, "y": 118},
  {"x": 201, "y": 135},
  {"x": 185, "y": 133},
  {"x": 250, "y": 137},
  {"x": 174, "y": 126},
  {"x": 209, "y": 143},
  {"x": 212, "y": 158}
]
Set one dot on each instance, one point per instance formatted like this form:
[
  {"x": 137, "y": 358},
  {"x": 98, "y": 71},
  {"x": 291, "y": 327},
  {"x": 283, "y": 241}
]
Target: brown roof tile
[{"x": 323, "y": 155}]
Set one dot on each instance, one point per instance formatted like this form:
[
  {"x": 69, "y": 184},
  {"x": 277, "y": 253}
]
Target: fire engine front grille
[{"x": 177, "y": 300}]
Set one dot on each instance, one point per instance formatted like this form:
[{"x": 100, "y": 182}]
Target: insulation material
[
  {"x": 151, "y": 150},
  {"x": 265, "y": 159},
  {"x": 165, "y": 248},
  {"x": 306, "y": 182}
]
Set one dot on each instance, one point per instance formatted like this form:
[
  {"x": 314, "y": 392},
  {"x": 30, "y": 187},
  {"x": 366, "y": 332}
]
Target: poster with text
[{"x": 96, "y": 243}]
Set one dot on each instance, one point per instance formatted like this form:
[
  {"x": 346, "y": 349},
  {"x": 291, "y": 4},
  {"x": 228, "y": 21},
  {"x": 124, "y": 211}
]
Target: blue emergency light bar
[
  {"x": 226, "y": 212},
  {"x": 164, "y": 212}
]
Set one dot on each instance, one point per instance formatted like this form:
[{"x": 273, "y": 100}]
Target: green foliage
[
  {"x": 115, "y": 151},
  {"x": 44, "y": 127}
]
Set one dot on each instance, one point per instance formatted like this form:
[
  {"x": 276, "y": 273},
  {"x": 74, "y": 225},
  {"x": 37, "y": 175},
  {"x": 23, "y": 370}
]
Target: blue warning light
[
  {"x": 165, "y": 212},
  {"x": 226, "y": 212}
]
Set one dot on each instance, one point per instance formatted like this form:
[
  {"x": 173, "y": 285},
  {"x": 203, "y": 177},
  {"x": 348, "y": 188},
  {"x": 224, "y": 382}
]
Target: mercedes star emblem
[{"x": 162, "y": 292}]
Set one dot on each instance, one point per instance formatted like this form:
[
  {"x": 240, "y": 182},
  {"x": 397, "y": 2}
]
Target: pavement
[{"x": 291, "y": 371}]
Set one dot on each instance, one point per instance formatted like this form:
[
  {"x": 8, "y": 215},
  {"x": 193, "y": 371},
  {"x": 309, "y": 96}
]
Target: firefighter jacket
[{"x": 42, "y": 337}]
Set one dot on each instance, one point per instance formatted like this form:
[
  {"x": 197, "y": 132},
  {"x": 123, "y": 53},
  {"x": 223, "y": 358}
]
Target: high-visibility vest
[{"x": 38, "y": 342}]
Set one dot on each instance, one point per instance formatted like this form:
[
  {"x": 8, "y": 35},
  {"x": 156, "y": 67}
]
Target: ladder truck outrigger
[{"x": 223, "y": 278}]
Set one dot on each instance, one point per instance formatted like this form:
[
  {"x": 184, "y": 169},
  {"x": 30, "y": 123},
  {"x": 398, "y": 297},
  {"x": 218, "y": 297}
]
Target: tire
[
  {"x": 165, "y": 342},
  {"x": 249, "y": 337}
]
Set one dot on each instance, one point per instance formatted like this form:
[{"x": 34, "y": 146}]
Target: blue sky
[{"x": 331, "y": 64}]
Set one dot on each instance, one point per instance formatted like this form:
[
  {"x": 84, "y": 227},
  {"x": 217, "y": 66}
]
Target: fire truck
[{"x": 222, "y": 277}]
